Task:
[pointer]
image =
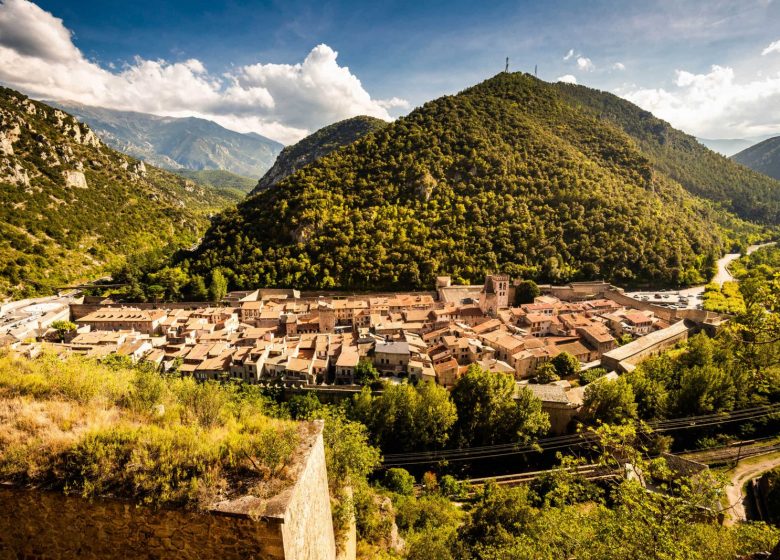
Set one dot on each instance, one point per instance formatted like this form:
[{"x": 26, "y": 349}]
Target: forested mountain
[
  {"x": 178, "y": 143},
  {"x": 682, "y": 158},
  {"x": 232, "y": 185},
  {"x": 514, "y": 174},
  {"x": 317, "y": 145},
  {"x": 763, "y": 157},
  {"x": 71, "y": 206}
]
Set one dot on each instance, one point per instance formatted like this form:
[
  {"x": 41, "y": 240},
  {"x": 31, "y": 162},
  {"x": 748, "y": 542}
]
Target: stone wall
[{"x": 294, "y": 525}]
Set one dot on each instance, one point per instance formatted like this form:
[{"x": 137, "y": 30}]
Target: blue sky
[{"x": 698, "y": 64}]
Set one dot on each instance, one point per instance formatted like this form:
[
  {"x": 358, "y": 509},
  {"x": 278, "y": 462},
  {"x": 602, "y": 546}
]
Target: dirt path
[{"x": 744, "y": 472}]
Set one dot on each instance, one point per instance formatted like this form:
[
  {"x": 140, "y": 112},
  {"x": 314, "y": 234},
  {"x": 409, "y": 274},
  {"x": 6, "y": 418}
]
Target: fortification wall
[
  {"x": 52, "y": 526},
  {"x": 295, "y": 525}
]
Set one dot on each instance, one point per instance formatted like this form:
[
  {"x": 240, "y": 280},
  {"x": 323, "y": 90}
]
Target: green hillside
[
  {"x": 317, "y": 145},
  {"x": 72, "y": 207},
  {"x": 511, "y": 175},
  {"x": 231, "y": 185},
  {"x": 681, "y": 157},
  {"x": 764, "y": 157}
]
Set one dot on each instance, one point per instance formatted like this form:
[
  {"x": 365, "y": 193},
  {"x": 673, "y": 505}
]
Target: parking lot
[{"x": 688, "y": 299}]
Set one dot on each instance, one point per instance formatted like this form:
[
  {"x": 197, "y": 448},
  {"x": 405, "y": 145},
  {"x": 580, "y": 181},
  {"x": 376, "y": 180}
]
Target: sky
[{"x": 286, "y": 68}]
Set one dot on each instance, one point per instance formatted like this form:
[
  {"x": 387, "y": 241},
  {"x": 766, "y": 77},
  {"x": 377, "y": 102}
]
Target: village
[{"x": 319, "y": 342}]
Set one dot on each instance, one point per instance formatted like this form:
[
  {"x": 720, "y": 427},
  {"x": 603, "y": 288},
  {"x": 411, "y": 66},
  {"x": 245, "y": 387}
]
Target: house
[
  {"x": 345, "y": 365},
  {"x": 447, "y": 373},
  {"x": 638, "y": 323},
  {"x": 392, "y": 357},
  {"x": 145, "y": 321}
]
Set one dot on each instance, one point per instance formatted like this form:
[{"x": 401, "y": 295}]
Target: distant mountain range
[
  {"x": 730, "y": 146},
  {"x": 71, "y": 207},
  {"x": 317, "y": 145},
  {"x": 178, "y": 143},
  {"x": 764, "y": 157}
]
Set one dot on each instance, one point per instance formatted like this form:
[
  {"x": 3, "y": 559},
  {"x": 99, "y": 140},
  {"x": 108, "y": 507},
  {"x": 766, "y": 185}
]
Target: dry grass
[{"x": 86, "y": 428}]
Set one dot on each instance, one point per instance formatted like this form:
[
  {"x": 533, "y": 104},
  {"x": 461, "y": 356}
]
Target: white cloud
[
  {"x": 281, "y": 101},
  {"x": 715, "y": 104},
  {"x": 584, "y": 63},
  {"x": 772, "y": 48},
  {"x": 567, "y": 78},
  {"x": 569, "y": 54},
  {"x": 619, "y": 66}
]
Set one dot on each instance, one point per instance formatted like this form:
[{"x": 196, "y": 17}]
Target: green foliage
[
  {"x": 317, "y": 145},
  {"x": 399, "y": 481},
  {"x": 63, "y": 328},
  {"x": 546, "y": 373},
  {"x": 590, "y": 375},
  {"x": 218, "y": 286},
  {"x": 365, "y": 372},
  {"x": 723, "y": 299},
  {"x": 512, "y": 174},
  {"x": 634, "y": 523},
  {"x": 489, "y": 414},
  {"x": 566, "y": 365},
  {"x": 763, "y": 157},
  {"x": 611, "y": 402},
  {"x": 711, "y": 375},
  {"x": 53, "y": 234},
  {"x": 526, "y": 291},
  {"x": 303, "y": 407},
  {"x": 406, "y": 417}
]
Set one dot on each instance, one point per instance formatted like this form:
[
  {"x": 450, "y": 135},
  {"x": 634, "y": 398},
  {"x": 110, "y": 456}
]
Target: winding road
[
  {"x": 723, "y": 274},
  {"x": 741, "y": 475}
]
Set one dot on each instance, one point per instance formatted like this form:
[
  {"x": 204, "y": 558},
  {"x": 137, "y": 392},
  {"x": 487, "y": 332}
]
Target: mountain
[
  {"x": 547, "y": 181},
  {"x": 317, "y": 145},
  {"x": 764, "y": 157},
  {"x": 679, "y": 156},
  {"x": 72, "y": 207},
  {"x": 178, "y": 143},
  {"x": 232, "y": 185},
  {"x": 730, "y": 146}
]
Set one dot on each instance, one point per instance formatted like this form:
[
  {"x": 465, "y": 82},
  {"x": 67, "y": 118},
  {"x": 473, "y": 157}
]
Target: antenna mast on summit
[
  {"x": 506, "y": 68},
  {"x": 536, "y": 67}
]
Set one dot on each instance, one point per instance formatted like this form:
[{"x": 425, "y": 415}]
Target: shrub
[{"x": 399, "y": 481}]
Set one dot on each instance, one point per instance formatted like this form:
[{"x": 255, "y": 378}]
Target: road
[
  {"x": 741, "y": 475},
  {"x": 723, "y": 274}
]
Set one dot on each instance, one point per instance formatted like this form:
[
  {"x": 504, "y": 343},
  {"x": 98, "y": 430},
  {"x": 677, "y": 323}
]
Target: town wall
[{"x": 295, "y": 525}]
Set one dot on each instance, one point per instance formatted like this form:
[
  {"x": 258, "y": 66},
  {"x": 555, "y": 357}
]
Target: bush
[
  {"x": 399, "y": 481},
  {"x": 590, "y": 375}
]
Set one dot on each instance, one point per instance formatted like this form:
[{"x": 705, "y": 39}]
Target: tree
[
  {"x": 365, "y": 372},
  {"x": 218, "y": 286},
  {"x": 566, "y": 364},
  {"x": 63, "y": 328},
  {"x": 611, "y": 402},
  {"x": 499, "y": 515},
  {"x": 590, "y": 375},
  {"x": 399, "y": 481},
  {"x": 704, "y": 390},
  {"x": 526, "y": 291},
  {"x": 171, "y": 279},
  {"x": 406, "y": 417},
  {"x": 488, "y": 412},
  {"x": 303, "y": 406},
  {"x": 197, "y": 288},
  {"x": 546, "y": 373}
]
